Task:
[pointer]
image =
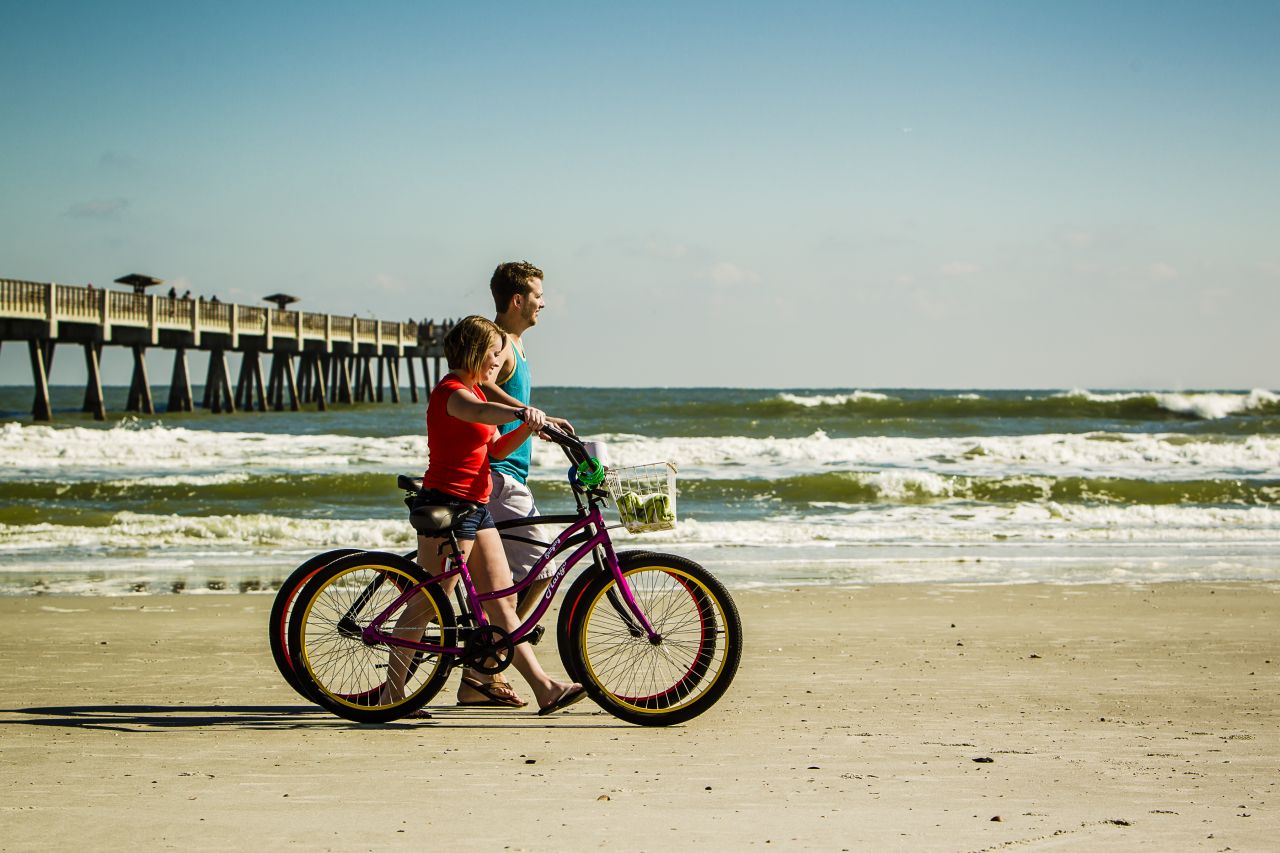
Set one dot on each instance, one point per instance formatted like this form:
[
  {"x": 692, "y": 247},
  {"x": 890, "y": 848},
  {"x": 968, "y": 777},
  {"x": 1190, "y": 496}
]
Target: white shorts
[{"x": 511, "y": 499}]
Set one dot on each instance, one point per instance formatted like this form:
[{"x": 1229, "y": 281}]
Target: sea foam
[
  {"x": 1206, "y": 405},
  {"x": 172, "y": 454},
  {"x": 815, "y": 400},
  {"x": 181, "y": 536},
  {"x": 1138, "y": 455}
]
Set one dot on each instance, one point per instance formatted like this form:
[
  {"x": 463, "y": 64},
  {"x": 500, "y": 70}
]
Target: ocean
[{"x": 777, "y": 487}]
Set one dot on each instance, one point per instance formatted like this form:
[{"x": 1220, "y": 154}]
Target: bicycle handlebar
[
  {"x": 564, "y": 439},
  {"x": 587, "y": 470}
]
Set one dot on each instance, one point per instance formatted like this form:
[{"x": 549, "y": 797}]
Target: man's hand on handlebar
[{"x": 561, "y": 424}]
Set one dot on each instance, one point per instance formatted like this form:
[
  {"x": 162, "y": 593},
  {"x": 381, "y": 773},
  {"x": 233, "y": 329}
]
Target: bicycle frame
[{"x": 588, "y": 519}]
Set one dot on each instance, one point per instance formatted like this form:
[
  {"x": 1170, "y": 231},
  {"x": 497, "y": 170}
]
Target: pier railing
[{"x": 61, "y": 303}]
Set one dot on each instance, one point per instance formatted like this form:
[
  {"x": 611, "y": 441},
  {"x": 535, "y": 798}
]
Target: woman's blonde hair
[{"x": 467, "y": 345}]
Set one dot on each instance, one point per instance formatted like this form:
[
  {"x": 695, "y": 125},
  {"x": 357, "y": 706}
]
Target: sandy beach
[{"x": 923, "y": 717}]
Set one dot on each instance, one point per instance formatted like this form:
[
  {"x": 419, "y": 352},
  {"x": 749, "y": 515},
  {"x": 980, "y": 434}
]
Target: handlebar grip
[{"x": 564, "y": 439}]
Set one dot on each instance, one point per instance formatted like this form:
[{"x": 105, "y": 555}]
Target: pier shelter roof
[
  {"x": 280, "y": 299},
  {"x": 139, "y": 282}
]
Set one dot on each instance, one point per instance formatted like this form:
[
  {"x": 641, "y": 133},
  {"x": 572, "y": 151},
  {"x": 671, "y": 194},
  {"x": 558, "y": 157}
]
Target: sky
[{"x": 836, "y": 195}]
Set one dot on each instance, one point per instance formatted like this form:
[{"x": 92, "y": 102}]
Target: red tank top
[{"x": 458, "y": 450}]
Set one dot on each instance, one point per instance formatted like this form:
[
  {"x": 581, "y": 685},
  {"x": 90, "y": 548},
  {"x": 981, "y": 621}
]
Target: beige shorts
[{"x": 511, "y": 499}]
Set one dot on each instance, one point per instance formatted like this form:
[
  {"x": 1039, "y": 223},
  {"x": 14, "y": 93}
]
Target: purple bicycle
[{"x": 654, "y": 638}]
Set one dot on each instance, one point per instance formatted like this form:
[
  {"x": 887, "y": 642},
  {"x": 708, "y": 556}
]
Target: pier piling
[
  {"x": 40, "y": 408},
  {"x": 140, "y": 387},
  {"x": 93, "y": 401},
  {"x": 180, "y": 384}
]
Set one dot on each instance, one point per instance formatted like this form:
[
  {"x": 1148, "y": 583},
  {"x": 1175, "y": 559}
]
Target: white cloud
[
  {"x": 1160, "y": 271},
  {"x": 118, "y": 162},
  {"x": 958, "y": 268},
  {"x": 101, "y": 208},
  {"x": 725, "y": 273},
  {"x": 666, "y": 250},
  {"x": 388, "y": 283},
  {"x": 929, "y": 305}
]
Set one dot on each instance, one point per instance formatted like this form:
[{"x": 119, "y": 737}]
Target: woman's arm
[
  {"x": 505, "y": 444},
  {"x": 466, "y": 406}
]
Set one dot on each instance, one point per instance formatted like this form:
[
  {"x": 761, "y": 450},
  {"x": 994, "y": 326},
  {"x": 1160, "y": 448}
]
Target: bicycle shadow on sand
[{"x": 141, "y": 719}]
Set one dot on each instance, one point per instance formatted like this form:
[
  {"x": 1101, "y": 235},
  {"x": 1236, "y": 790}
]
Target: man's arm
[{"x": 493, "y": 392}]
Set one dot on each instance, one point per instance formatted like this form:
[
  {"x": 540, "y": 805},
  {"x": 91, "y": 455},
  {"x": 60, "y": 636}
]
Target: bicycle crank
[{"x": 489, "y": 650}]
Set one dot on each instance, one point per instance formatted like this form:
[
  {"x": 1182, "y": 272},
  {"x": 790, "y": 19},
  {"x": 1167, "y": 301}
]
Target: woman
[{"x": 461, "y": 436}]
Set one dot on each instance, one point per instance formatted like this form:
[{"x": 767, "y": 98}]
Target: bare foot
[{"x": 562, "y": 695}]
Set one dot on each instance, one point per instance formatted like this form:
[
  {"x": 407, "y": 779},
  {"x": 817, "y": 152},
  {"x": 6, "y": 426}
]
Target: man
[{"x": 517, "y": 299}]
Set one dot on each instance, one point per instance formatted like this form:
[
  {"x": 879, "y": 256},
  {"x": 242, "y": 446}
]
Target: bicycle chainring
[{"x": 489, "y": 650}]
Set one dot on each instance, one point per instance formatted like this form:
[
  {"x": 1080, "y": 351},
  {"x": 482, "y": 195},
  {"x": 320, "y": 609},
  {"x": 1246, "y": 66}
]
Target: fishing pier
[{"x": 314, "y": 359}]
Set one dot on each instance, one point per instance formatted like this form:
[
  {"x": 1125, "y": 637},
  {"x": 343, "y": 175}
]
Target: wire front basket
[{"x": 644, "y": 495}]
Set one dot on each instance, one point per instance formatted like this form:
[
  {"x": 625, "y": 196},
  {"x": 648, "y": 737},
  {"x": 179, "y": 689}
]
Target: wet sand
[{"x": 926, "y": 717}]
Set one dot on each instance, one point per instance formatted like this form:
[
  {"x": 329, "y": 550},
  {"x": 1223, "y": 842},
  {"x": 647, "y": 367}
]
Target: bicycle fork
[{"x": 628, "y": 609}]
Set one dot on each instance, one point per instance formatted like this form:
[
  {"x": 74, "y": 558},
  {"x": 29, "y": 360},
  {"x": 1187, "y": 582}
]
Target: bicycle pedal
[{"x": 535, "y": 635}]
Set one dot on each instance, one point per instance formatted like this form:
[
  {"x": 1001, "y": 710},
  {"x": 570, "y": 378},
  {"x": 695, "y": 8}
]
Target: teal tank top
[{"x": 516, "y": 465}]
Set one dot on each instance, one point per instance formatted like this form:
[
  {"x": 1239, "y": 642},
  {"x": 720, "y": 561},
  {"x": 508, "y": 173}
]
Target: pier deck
[{"x": 315, "y": 358}]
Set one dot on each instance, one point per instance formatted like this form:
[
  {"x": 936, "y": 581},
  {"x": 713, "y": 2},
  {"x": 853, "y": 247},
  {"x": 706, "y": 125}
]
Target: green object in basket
[
  {"x": 629, "y": 508},
  {"x": 657, "y": 510}
]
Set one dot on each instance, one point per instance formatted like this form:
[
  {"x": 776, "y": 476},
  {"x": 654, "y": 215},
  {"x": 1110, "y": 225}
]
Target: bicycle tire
[
  {"x": 655, "y": 684},
  {"x": 343, "y": 673},
  {"x": 278, "y": 620}
]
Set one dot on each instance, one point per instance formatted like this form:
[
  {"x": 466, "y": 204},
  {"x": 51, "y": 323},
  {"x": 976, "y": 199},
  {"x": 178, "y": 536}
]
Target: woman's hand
[{"x": 534, "y": 419}]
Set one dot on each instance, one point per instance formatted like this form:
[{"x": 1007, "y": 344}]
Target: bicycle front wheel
[
  {"x": 674, "y": 679},
  {"x": 362, "y": 681},
  {"x": 576, "y": 594}
]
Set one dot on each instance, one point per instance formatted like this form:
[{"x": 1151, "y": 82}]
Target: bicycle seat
[
  {"x": 434, "y": 520},
  {"x": 409, "y": 484}
]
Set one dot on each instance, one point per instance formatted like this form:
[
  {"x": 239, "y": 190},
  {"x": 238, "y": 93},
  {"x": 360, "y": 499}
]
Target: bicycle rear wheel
[
  {"x": 344, "y": 673},
  {"x": 675, "y": 679},
  {"x": 278, "y": 621}
]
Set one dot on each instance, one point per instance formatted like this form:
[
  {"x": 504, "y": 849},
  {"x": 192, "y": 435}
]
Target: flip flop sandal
[{"x": 498, "y": 694}]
